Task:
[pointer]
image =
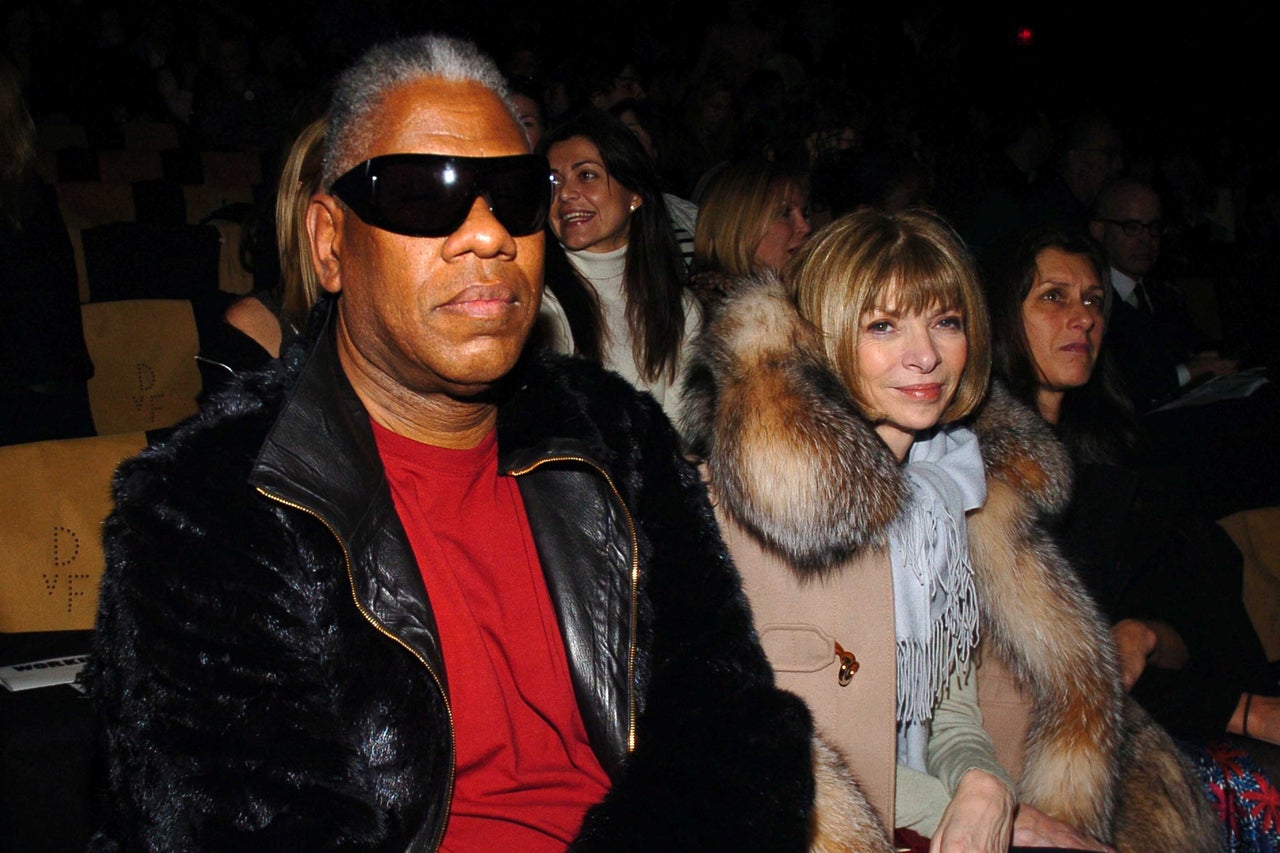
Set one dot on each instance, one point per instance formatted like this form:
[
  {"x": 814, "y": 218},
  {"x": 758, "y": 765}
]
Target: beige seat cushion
[
  {"x": 54, "y": 496},
  {"x": 144, "y": 359}
]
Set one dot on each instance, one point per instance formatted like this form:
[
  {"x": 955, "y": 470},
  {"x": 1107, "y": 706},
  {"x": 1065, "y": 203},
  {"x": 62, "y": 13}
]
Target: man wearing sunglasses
[{"x": 416, "y": 586}]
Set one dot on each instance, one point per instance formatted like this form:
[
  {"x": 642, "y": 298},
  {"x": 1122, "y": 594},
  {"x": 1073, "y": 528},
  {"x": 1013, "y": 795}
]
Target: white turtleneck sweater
[{"x": 604, "y": 271}]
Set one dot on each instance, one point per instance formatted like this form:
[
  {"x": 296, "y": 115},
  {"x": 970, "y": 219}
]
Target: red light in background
[{"x": 1025, "y": 36}]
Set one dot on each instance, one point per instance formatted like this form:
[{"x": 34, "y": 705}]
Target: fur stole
[{"x": 793, "y": 461}]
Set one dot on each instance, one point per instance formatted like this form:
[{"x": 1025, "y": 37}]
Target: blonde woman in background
[{"x": 275, "y": 318}]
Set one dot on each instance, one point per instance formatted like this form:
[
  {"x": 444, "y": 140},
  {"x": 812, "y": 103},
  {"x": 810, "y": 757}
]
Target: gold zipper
[
  {"x": 635, "y": 582},
  {"x": 380, "y": 628}
]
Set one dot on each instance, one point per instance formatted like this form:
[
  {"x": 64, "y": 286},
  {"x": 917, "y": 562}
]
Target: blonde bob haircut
[
  {"x": 736, "y": 212},
  {"x": 907, "y": 262}
]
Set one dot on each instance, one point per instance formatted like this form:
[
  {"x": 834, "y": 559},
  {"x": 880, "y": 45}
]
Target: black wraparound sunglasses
[{"x": 431, "y": 195}]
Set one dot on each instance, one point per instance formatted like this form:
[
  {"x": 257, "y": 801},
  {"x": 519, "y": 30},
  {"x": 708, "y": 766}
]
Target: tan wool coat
[{"x": 806, "y": 490}]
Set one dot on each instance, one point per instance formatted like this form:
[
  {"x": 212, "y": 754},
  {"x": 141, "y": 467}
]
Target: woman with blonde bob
[
  {"x": 882, "y": 503},
  {"x": 752, "y": 217}
]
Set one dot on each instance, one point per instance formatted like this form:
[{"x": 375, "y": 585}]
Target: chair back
[
  {"x": 1256, "y": 532},
  {"x": 54, "y": 496},
  {"x": 144, "y": 358},
  {"x": 126, "y": 165},
  {"x": 150, "y": 135}
]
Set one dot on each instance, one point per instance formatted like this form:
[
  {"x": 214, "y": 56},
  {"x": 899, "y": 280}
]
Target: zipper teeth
[
  {"x": 381, "y": 629},
  {"x": 635, "y": 581}
]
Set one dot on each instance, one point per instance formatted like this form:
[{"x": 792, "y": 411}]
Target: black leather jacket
[
  {"x": 590, "y": 558},
  {"x": 289, "y": 671}
]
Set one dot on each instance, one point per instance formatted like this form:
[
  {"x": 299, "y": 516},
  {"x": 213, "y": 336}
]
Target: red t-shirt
[{"x": 526, "y": 773}]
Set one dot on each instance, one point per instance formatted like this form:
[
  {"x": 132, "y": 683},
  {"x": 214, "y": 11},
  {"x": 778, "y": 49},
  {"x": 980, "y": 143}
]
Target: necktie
[{"x": 1141, "y": 299}]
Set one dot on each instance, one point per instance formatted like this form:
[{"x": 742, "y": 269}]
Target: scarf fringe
[{"x": 930, "y": 536}]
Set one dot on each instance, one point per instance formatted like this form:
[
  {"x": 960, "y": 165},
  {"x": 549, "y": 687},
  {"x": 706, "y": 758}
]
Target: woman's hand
[
  {"x": 1144, "y": 641},
  {"x": 1211, "y": 363},
  {"x": 1134, "y": 642},
  {"x": 1034, "y": 828},
  {"x": 978, "y": 818}
]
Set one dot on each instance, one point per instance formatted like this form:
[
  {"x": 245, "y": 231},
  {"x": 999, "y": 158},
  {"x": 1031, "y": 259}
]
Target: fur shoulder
[
  {"x": 789, "y": 454},
  {"x": 1019, "y": 449}
]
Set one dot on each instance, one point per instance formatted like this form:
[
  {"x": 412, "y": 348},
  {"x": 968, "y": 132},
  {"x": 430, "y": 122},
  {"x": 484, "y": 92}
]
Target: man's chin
[
  {"x": 481, "y": 392},
  {"x": 481, "y": 384}
]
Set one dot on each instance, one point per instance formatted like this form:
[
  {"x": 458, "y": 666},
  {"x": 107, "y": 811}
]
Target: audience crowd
[{"x": 900, "y": 108}]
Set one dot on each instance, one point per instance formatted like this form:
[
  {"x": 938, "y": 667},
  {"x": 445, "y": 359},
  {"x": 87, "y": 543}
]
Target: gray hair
[{"x": 360, "y": 89}]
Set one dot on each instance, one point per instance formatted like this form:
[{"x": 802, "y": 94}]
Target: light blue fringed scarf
[{"x": 935, "y": 608}]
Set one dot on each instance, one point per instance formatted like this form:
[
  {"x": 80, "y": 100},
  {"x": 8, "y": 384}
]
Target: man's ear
[
  {"x": 324, "y": 229},
  {"x": 1095, "y": 230}
]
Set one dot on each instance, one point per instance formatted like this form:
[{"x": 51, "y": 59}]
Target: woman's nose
[
  {"x": 565, "y": 190},
  {"x": 802, "y": 225},
  {"x": 922, "y": 352},
  {"x": 1082, "y": 317}
]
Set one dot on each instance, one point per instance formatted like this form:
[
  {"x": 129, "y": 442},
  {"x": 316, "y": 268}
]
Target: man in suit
[
  {"x": 1159, "y": 349},
  {"x": 1226, "y": 448}
]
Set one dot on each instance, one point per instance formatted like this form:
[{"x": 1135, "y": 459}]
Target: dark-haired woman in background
[
  {"x": 619, "y": 276},
  {"x": 1170, "y": 581}
]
